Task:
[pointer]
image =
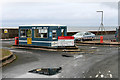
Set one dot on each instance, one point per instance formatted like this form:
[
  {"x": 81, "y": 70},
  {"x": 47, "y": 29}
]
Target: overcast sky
[{"x": 66, "y": 13}]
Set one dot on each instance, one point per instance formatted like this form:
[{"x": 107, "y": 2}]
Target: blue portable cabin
[{"x": 41, "y": 34}]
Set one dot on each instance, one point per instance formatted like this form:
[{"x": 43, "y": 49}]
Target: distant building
[{"x": 8, "y": 33}]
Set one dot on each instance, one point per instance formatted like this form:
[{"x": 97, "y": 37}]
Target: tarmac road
[{"x": 92, "y": 61}]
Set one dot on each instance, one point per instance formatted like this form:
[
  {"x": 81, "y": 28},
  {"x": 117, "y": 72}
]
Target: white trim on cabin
[
  {"x": 38, "y": 41},
  {"x": 43, "y": 25}
]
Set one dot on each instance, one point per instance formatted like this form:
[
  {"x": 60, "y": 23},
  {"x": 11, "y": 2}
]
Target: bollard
[
  {"x": 101, "y": 39},
  {"x": 16, "y": 40}
]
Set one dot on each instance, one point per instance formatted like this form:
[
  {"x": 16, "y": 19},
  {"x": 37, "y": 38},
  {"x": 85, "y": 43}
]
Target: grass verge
[{"x": 4, "y": 53}]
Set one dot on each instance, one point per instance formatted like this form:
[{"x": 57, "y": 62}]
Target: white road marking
[
  {"x": 32, "y": 75},
  {"x": 93, "y": 47},
  {"x": 99, "y": 72},
  {"x": 101, "y": 75},
  {"x": 109, "y": 71},
  {"x": 97, "y": 76},
  {"x": 90, "y": 76},
  {"x": 17, "y": 51},
  {"x": 21, "y": 51},
  {"x": 111, "y": 76},
  {"x": 83, "y": 74},
  {"x": 76, "y": 57}
]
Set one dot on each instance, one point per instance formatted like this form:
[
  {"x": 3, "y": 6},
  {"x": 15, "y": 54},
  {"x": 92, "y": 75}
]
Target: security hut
[{"x": 45, "y": 35}]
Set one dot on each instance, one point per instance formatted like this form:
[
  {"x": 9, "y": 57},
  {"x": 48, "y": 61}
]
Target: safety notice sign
[
  {"x": 29, "y": 40},
  {"x": 65, "y": 41}
]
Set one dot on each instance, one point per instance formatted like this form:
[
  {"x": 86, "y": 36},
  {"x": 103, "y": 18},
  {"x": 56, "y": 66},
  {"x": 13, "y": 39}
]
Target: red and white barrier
[{"x": 8, "y": 39}]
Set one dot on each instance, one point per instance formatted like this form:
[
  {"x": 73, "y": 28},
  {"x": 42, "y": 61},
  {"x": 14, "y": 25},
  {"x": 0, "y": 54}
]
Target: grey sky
[{"x": 67, "y": 13}]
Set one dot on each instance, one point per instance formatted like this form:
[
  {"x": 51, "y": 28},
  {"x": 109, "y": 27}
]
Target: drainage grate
[{"x": 47, "y": 71}]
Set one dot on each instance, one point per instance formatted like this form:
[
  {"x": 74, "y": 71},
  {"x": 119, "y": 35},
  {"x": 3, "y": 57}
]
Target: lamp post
[
  {"x": 101, "y": 25},
  {"x": 101, "y": 17}
]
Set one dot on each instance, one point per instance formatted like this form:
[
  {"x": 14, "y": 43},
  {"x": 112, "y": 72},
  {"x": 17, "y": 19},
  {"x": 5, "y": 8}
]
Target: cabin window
[
  {"x": 22, "y": 33},
  {"x": 28, "y": 32},
  {"x": 41, "y": 33},
  {"x": 54, "y": 34},
  {"x": 25, "y": 33}
]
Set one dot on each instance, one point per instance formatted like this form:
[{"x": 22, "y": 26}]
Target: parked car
[{"x": 84, "y": 36}]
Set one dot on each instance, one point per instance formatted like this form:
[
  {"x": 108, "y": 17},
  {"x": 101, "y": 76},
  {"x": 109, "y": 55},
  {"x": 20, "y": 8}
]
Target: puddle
[
  {"x": 67, "y": 55},
  {"x": 46, "y": 71}
]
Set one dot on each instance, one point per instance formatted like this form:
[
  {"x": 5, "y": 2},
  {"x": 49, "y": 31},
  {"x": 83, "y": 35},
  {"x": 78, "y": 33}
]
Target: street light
[
  {"x": 101, "y": 18},
  {"x": 101, "y": 25}
]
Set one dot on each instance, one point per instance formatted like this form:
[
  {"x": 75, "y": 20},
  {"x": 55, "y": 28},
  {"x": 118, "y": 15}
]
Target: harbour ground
[{"x": 92, "y": 61}]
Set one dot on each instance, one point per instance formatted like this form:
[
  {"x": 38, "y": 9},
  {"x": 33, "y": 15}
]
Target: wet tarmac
[{"x": 92, "y": 62}]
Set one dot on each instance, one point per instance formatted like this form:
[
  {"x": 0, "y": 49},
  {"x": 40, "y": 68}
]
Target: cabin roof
[{"x": 43, "y": 25}]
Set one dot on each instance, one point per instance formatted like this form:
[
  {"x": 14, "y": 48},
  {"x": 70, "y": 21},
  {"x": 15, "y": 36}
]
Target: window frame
[
  {"x": 31, "y": 33},
  {"x": 52, "y": 34},
  {"x": 41, "y": 33},
  {"x": 25, "y": 33}
]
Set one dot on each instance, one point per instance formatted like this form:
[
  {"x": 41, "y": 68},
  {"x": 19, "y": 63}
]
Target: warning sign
[
  {"x": 29, "y": 40},
  {"x": 5, "y": 31},
  {"x": 65, "y": 41}
]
